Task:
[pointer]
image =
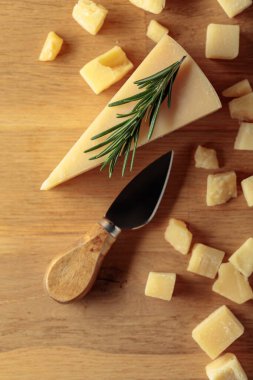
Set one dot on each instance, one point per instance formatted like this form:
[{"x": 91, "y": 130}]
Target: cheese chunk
[
  {"x": 242, "y": 259},
  {"x": 244, "y": 138},
  {"x": 227, "y": 367},
  {"x": 247, "y": 187},
  {"x": 153, "y": 6},
  {"x": 160, "y": 285},
  {"x": 107, "y": 69},
  {"x": 222, "y": 41},
  {"x": 242, "y": 108},
  {"x": 51, "y": 48},
  {"x": 217, "y": 332},
  {"x": 193, "y": 97},
  {"x": 156, "y": 31},
  {"x": 221, "y": 188},
  {"x": 234, "y": 7},
  {"x": 178, "y": 235},
  {"x": 205, "y": 260},
  {"x": 239, "y": 89},
  {"x": 206, "y": 158},
  {"x": 232, "y": 284},
  {"x": 89, "y": 15}
]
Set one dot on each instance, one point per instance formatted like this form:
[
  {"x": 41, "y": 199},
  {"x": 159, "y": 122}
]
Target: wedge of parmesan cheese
[{"x": 193, "y": 97}]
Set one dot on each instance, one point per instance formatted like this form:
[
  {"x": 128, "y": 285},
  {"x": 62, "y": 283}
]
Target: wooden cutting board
[{"x": 115, "y": 332}]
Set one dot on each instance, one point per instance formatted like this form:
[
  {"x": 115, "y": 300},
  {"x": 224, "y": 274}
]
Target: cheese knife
[{"x": 70, "y": 276}]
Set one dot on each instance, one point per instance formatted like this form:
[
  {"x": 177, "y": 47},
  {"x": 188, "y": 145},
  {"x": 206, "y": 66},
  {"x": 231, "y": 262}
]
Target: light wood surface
[{"x": 115, "y": 332}]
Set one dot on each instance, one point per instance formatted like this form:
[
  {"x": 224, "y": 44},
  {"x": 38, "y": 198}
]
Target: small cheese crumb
[
  {"x": 242, "y": 108},
  {"x": 51, "y": 48},
  {"x": 242, "y": 259},
  {"x": 178, "y": 235},
  {"x": 227, "y": 367},
  {"x": 244, "y": 138},
  {"x": 239, "y": 89},
  {"x": 153, "y": 6},
  {"x": 234, "y": 7},
  {"x": 222, "y": 41},
  {"x": 160, "y": 285},
  {"x": 217, "y": 332},
  {"x": 206, "y": 158},
  {"x": 89, "y": 15},
  {"x": 221, "y": 188},
  {"x": 156, "y": 31},
  {"x": 247, "y": 187}
]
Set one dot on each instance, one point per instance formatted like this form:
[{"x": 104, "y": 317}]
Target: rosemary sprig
[{"x": 125, "y": 135}]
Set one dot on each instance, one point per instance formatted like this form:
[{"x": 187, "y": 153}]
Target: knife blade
[{"x": 70, "y": 276}]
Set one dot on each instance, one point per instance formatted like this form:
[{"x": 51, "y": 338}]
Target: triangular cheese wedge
[{"x": 193, "y": 97}]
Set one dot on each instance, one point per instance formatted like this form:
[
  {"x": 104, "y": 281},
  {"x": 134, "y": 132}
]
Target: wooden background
[{"x": 115, "y": 332}]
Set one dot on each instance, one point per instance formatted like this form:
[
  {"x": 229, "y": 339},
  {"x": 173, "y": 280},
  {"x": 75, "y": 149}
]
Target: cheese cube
[
  {"x": 206, "y": 158},
  {"x": 242, "y": 259},
  {"x": 244, "y": 138},
  {"x": 205, "y": 260},
  {"x": 222, "y": 41},
  {"x": 153, "y": 6},
  {"x": 239, "y": 89},
  {"x": 242, "y": 108},
  {"x": 217, "y": 332},
  {"x": 221, "y": 188},
  {"x": 89, "y": 15},
  {"x": 178, "y": 235},
  {"x": 156, "y": 31},
  {"x": 234, "y": 7},
  {"x": 107, "y": 69},
  {"x": 160, "y": 285},
  {"x": 232, "y": 284},
  {"x": 51, "y": 48},
  {"x": 247, "y": 187},
  {"x": 227, "y": 367}
]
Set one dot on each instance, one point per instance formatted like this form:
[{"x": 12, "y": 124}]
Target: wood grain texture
[{"x": 115, "y": 332}]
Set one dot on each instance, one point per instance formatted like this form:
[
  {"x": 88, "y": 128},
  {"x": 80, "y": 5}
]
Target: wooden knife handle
[{"x": 71, "y": 276}]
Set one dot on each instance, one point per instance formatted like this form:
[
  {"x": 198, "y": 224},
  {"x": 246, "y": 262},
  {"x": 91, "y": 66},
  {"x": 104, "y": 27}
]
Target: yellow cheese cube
[
  {"x": 232, "y": 284},
  {"x": 160, "y": 285},
  {"x": 239, "y": 89},
  {"x": 221, "y": 188},
  {"x": 89, "y": 15},
  {"x": 205, "y": 260},
  {"x": 107, "y": 69},
  {"x": 247, "y": 187},
  {"x": 217, "y": 332},
  {"x": 156, "y": 31},
  {"x": 234, "y": 7},
  {"x": 242, "y": 259},
  {"x": 206, "y": 158},
  {"x": 244, "y": 138},
  {"x": 227, "y": 367},
  {"x": 153, "y": 6},
  {"x": 51, "y": 48},
  {"x": 222, "y": 41},
  {"x": 242, "y": 108},
  {"x": 178, "y": 235}
]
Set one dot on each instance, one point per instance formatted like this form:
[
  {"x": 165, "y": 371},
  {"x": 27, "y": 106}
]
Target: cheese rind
[
  {"x": 242, "y": 259},
  {"x": 221, "y": 188},
  {"x": 244, "y": 138},
  {"x": 89, "y": 15},
  {"x": 178, "y": 235},
  {"x": 51, "y": 48},
  {"x": 222, "y": 41},
  {"x": 160, "y": 285},
  {"x": 206, "y": 158},
  {"x": 193, "y": 97},
  {"x": 242, "y": 108},
  {"x": 156, "y": 31},
  {"x": 247, "y": 187},
  {"x": 239, "y": 89},
  {"x": 232, "y": 284},
  {"x": 107, "y": 69},
  {"x": 205, "y": 260},
  {"x": 227, "y": 367},
  {"x": 234, "y": 7},
  {"x": 153, "y": 6},
  {"x": 217, "y": 332}
]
